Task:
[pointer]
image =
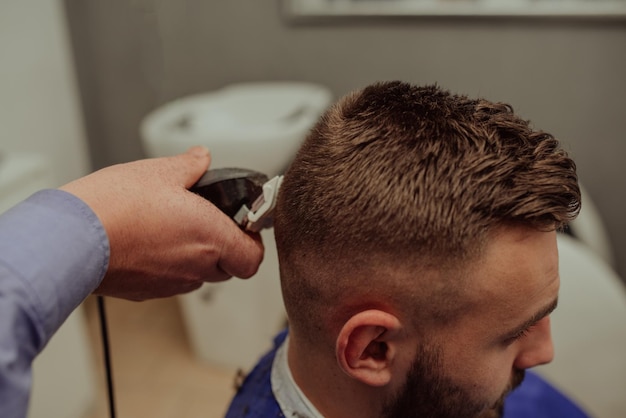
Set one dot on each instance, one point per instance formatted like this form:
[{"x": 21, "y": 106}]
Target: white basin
[
  {"x": 258, "y": 126},
  {"x": 21, "y": 175}
]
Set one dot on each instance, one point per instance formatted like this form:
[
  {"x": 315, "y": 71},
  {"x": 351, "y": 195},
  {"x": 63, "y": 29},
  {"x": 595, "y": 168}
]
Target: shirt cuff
[{"x": 57, "y": 250}]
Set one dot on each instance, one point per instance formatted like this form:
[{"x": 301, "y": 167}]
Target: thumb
[{"x": 191, "y": 165}]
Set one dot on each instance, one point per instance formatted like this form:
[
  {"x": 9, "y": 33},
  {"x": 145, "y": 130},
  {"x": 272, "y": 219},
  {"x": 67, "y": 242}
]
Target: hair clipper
[{"x": 246, "y": 196}]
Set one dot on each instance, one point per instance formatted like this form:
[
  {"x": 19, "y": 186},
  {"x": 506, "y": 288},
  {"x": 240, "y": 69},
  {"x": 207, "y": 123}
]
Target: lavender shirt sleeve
[{"x": 53, "y": 253}]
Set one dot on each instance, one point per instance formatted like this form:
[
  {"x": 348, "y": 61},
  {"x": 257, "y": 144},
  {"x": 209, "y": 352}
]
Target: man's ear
[{"x": 367, "y": 345}]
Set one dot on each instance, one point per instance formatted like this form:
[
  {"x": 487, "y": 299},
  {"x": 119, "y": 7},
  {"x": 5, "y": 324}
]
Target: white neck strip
[{"x": 292, "y": 401}]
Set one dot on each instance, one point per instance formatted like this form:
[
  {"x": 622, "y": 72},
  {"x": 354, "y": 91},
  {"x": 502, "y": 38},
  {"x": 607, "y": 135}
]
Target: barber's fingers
[
  {"x": 241, "y": 254},
  {"x": 231, "y": 251},
  {"x": 188, "y": 167}
]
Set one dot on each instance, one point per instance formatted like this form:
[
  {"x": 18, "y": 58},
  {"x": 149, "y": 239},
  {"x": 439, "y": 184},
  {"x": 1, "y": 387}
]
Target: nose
[{"x": 538, "y": 348}]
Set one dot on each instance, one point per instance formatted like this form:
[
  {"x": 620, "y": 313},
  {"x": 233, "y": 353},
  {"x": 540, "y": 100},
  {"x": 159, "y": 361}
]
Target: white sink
[
  {"x": 258, "y": 126},
  {"x": 20, "y": 176}
]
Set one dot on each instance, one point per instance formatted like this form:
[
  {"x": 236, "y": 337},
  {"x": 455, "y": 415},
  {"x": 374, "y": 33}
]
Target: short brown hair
[{"x": 401, "y": 172}]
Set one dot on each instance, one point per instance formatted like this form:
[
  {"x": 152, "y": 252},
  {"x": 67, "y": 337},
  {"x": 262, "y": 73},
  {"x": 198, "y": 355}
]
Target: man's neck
[{"x": 327, "y": 388}]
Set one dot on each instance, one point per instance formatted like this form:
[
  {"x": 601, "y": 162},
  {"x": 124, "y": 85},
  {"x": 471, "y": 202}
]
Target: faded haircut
[{"x": 412, "y": 176}]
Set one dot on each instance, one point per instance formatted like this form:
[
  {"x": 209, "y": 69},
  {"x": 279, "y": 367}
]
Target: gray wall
[{"x": 567, "y": 76}]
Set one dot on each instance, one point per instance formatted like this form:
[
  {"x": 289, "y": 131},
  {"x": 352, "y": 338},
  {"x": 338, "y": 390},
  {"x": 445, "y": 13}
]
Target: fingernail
[{"x": 199, "y": 151}]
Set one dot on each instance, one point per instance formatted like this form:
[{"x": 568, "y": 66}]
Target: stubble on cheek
[{"x": 497, "y": 410}]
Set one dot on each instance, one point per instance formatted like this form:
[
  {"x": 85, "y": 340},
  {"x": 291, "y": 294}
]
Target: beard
[
  {"x": 497, "y": 410},
  {"x": 428, "y": 394}
]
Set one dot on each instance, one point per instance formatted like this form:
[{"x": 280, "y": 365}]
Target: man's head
[{"x": 417, "y": 224}]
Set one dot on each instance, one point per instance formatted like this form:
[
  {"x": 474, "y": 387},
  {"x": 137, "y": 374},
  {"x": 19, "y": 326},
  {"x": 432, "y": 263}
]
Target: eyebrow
[{"x": 533, "y": 320}]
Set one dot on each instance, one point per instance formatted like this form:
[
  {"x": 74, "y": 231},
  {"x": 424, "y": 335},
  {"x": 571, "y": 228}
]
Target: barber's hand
[{"x": 164, "y": 239}]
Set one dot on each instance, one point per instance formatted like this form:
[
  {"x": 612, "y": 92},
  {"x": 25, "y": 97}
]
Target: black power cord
[{"x": 107, "y": 356}]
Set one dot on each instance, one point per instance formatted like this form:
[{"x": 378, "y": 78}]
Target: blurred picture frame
[{"x": 587, "y": 9}]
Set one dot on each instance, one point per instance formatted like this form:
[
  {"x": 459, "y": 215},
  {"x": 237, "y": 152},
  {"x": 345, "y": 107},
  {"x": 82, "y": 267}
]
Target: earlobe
[{"x": 367, "y": 346}]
